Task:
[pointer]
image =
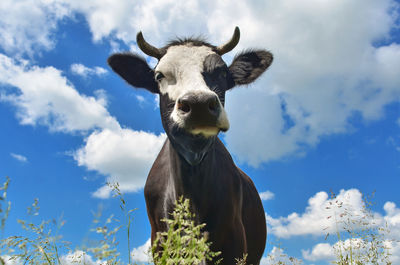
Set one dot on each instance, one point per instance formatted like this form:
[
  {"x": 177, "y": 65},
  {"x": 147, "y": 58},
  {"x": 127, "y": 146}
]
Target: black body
[{"x": 221, "y": 195}]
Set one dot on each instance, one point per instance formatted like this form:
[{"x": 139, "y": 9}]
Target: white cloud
[
  {"x": 320, "y": 215},
  {"x": 278, "y": 256},
  {"x": 27, "y": 26},
  {"x": 394, "y": 250},
  {"x": 315, "y": 221},
  {"x": 347, "y": 204},
  {"x": 124, "y": 155},
  {"x": 19, "y": 157},
  {"x": 141, "y": 253},
  {"x": 321, "y": 251},
  {"x": 267, "y": 195},
  {"x": 79, "y": 257},
  {"x": 84, "y": 71},
  {"x": 140, "y": 98},
  {"x": 392, "y": 218},
  {"x": 158, "y": 19},
  {"x": 103, "y": 192},
  {"x": 325, "y": 70},
  {"x": 44, "y": 96},
  {"x": 327, "y": 252},
  {"x": 156, "y": 101}
]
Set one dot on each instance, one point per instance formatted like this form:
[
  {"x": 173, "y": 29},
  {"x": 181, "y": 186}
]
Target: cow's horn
[
  {"x": 227, "y": 47},
  {"x": 146, "y": 47}
]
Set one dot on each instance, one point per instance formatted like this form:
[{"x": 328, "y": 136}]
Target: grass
[
  {"x": 360, "y": 240},
  {"x": 184, "y": 243}
]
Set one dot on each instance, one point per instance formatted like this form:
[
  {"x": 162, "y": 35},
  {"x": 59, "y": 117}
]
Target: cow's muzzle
[{"x": 201, "y": 113}]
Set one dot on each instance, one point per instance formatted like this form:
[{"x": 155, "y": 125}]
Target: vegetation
[
  {"x": 184, "y": 243},
  {"x": 277, "y": 256},
  {"x": 360, "y": 239}
]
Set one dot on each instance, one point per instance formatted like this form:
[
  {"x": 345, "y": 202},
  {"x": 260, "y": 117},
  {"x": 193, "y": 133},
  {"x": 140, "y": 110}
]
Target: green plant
[
  {"x": 361, "y": 240},
  {"x": 184, "y": 242},
  {"x": 127, "y": 214},
  {"x": 106, "y": 249},
  {"x": 5, "y": 207},
  {"x": 361, "y": 237},
  {"x": 41, "y": 245},
  {"x": 4, "y": 210},
  {"x": 242, "y": 261},
  {"x": 277, "y": 256}
]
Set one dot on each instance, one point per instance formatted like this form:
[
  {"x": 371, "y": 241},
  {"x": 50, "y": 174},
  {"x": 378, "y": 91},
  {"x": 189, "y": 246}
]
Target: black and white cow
[{"x": 191, "y": 79}]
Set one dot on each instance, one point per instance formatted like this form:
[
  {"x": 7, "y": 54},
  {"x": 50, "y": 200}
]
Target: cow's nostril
[
  {"x": 183, "y": 106},
  {"x": 212, "y": 105}
]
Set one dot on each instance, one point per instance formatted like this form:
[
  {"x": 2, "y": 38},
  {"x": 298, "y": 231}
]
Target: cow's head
[{"x": 191, "y": 79}]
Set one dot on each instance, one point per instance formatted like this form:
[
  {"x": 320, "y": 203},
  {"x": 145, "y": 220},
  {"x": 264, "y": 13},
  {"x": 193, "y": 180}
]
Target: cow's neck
[
  {"x": 191, "y": 149},
  {"x": 192, "y": 181}
]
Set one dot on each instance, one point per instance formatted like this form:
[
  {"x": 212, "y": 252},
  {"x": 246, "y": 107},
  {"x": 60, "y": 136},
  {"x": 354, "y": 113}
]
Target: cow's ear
[
  {"x": 134, "y": 70},
  {"x": 249, "y": 65}
]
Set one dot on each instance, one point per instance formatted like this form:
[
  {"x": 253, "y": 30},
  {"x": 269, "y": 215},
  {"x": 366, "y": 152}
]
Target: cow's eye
[{"x": 159, "y": 76}]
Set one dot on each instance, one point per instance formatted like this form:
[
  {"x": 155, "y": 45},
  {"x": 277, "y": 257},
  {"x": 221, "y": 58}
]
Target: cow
[{"x": 191, "y": 80}]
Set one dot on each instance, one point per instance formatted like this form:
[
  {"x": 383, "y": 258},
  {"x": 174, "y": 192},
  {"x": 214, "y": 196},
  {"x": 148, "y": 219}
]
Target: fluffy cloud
[
  {"x": 394, "y": 250},
  {"x": 324, "y": 215},
  {"x": 124, "y": 155},
  {"x": 19, "y": 157},
  {"x": 27, "y": 26},
  {"x": 321, "y": 251},
  {"x": 141, "y": 253},
  {"x": 158, "y": 19},
  {"x": 392, "y": 218},
  {"x": 79, "y": 257},
  {"x": 326, "y": 69},
  {"x": 44, "y": 96},
  {"x": 319, "y": 217},
  {"x": 84, "y": 71},
  {"x": 267, "y": 195},
  {"x": 326, "y": 251},
  {"x": 278, "y": 256}
]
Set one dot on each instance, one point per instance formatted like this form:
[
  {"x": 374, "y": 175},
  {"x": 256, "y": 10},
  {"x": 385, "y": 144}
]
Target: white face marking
[{"x": 182, "y": 67}]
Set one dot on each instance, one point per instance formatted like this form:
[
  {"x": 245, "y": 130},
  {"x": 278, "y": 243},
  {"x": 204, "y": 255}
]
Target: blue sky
[{"x": 325, "y": 116}]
